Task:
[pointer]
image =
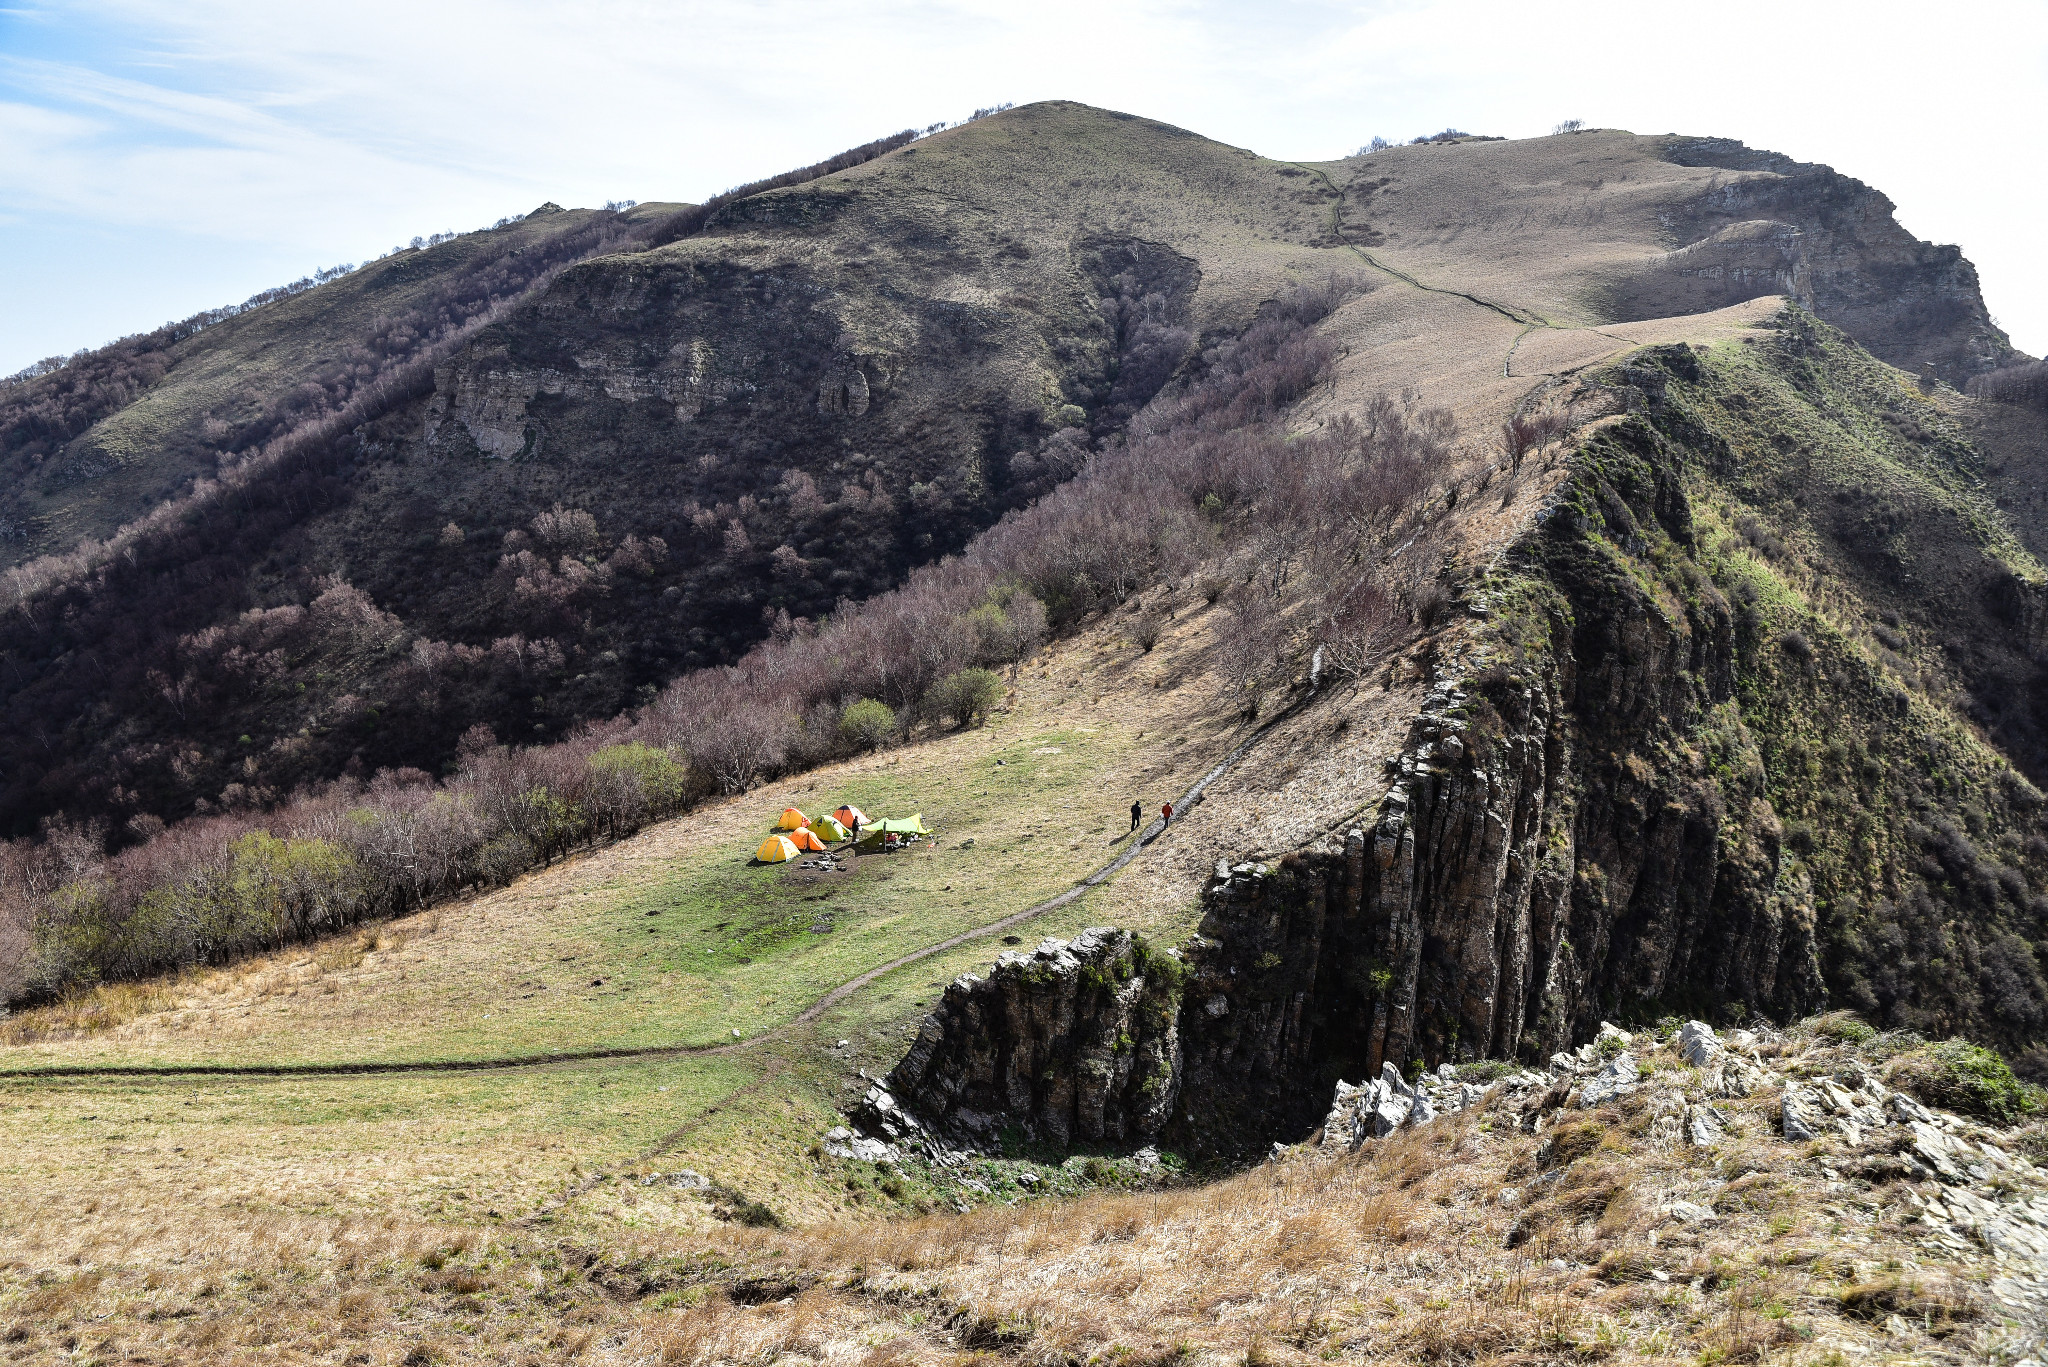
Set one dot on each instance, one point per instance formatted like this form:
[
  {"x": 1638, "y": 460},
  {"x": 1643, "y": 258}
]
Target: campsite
[{"x": 848, "y": 828}]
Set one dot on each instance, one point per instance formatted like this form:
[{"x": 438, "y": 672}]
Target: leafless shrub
[
  {"x": 1252, "y": 645},
  {"x": 566, "y": 529},
  {"x": 1521, "y": 435},
  {"x": 2025, "y": 384},
  {"x": 1759, "y": 536},
  {"x": 1359, "y": 623}
]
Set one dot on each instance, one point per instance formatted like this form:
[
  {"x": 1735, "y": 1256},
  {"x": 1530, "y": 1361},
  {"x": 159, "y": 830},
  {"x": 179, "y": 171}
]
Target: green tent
[
  {"x": 827, "y": 828},
  {"x": 874, "y": 836},
  {"x": 908, "y": 826}
]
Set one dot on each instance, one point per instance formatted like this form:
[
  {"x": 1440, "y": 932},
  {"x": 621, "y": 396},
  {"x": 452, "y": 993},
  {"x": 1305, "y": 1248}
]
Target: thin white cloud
[{"x": 336, "y": 129}]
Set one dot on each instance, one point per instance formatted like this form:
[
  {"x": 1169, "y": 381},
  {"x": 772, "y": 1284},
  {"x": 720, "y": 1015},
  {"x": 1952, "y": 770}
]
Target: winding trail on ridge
[
  {"x": 1530, "y": 320},
  {"x": 1184, "y": 803}
]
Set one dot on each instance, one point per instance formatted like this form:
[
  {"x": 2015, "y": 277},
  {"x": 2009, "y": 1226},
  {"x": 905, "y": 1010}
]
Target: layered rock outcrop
[
  {"x": 1779, "y": 226},
  {"x": 1604, "y": 806},
  {"x": 1073, "y": 1041}
]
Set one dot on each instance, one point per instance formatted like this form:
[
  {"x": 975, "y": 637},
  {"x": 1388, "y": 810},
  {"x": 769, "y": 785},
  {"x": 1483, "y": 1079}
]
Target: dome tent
[
  {"x": 805, "y": 839},
  {"x": 828, "y": 828},
  {"x": 792, "y": 820},
  {"x": 776, "y": 849},
  {"x": 850, "y": 817}
]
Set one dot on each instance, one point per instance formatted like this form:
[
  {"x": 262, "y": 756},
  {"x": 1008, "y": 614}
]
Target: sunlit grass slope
[{"x": 570, "y": 959}]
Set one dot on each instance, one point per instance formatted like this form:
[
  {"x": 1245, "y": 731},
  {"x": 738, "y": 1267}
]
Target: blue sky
[{"x": 160, "y": 158}]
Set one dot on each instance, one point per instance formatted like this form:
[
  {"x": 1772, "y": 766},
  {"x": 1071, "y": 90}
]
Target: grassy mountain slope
[
  {"x": 229, "y": 386},
  {"x": 824, "y": 386},
  {"x": 829, "y": 384},
  {"x": 1755, "y": 521}
]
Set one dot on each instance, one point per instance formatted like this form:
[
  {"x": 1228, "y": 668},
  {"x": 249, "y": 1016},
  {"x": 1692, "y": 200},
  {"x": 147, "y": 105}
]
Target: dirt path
[
  {"x": 1184, "y": 803},
  {"x": 1529, "y": 320}
]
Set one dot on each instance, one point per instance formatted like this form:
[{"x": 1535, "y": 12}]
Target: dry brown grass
[
  {"x": 106, "y": 1007},
  {"x": 95, "y": 1009},
  {"x": 1401, "y": 1252}
]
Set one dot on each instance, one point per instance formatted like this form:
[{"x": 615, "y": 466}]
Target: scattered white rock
[
  {"x": 1705, "y": 1126},
  {"x": 1618, "y": 1078},
  {"x": 1687, "y": 1212},
  {"x": 1374, "y": 1110},
  {"x": 841, "y": 1142},
  {"x": 1799, "y": 1115},
  {"x": 1697, "y": 1043},
  {"x": 1907, "y": 1110}
]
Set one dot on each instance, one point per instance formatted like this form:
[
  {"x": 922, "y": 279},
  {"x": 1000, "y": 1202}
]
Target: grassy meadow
[{"x": 668, "y": 942}]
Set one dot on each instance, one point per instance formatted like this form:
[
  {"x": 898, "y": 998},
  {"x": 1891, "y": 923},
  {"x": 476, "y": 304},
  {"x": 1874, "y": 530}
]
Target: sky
[{"x": 160, "y": 158}]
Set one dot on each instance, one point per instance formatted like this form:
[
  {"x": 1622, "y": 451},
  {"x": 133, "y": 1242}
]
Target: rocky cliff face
[
  {"x": 1670, "y": 765},
  {"x": 1074, "y": 1041},
  {"x": 1779, "y": 226},
  {"x": 1803, "y": 230}
]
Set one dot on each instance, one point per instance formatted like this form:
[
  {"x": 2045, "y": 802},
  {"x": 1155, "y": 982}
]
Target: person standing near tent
[
  {"x": 1167, "y": 812},
  {"x": 1137, "y": 815}
]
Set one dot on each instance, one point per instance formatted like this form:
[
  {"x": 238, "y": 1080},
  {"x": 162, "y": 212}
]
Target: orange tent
[
  {"x": 792, "y": 820},
  {"x": 850, "y": 817},
  {"x": 805, "y": 839}
]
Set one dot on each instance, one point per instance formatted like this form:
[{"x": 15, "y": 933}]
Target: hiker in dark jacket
[{"x": 1137, "y": 815}]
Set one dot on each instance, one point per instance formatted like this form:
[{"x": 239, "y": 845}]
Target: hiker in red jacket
[{"x": 1167, "y": 812}]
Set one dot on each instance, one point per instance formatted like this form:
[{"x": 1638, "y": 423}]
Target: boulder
[
  {"x": 1618, "y": 1078},
  {"x": 1934, "y": 1148},
  {"x": 1705, "y": 1126},
  {"x": 1373, "y": 1111},
  {"x": 1072, "y": 1041},
  {"x": 1698, "y": 1044},
  {"x": 1614, "y": 1034},
  {"x": 1731, "y": 1075},
  {"x": 1800, "y": 1115},
  {"x": 1907, "y": 1111}
]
